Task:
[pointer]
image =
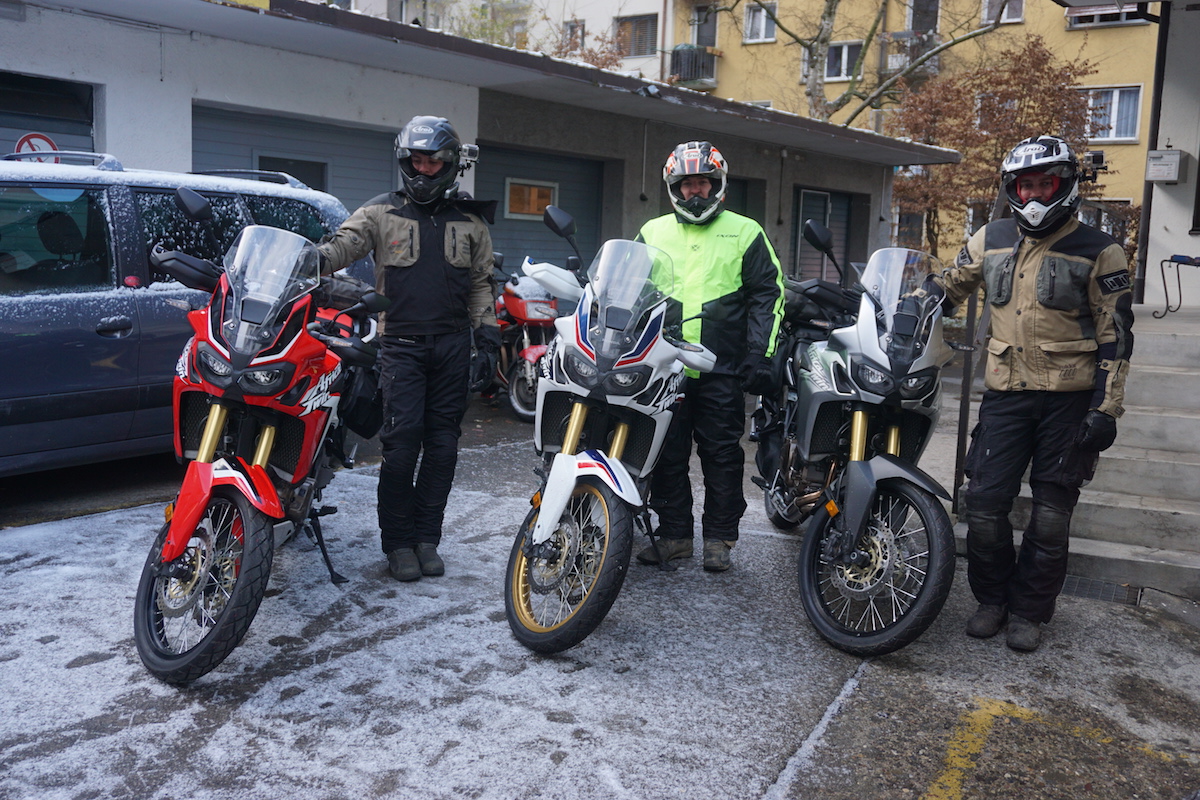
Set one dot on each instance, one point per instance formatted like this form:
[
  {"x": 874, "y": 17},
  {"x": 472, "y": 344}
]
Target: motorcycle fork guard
[
  {"x": 565, "y": 472},
  {"x": 199, "y": 482},
  {"x": 862, "y": 479}
]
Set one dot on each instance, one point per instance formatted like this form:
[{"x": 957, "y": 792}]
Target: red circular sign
[{"x": 38, "y": 143}]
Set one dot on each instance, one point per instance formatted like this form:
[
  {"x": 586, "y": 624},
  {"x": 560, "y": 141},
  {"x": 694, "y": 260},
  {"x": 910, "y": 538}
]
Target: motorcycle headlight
[
  {"x": 916, "y": 386},
  {"x": 872, "y": 379},
  {"x": 627, "y": 381},
  {"x": 535, "y": 310},
  {"x": 213, "y": 368},
  {"x": 580, "y": 370},
  {"x": 266, "y": 381}
]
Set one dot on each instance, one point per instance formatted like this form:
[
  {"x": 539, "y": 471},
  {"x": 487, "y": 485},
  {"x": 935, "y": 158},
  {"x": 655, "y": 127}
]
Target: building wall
[
  {"x": 770, "y": 71},
  {"x": 1173, "y": 213},
  {"x": 148, "y": 81}
]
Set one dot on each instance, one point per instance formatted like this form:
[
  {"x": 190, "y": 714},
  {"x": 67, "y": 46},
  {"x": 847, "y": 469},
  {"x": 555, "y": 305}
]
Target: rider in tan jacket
[{"x": 1058, "y": 296}]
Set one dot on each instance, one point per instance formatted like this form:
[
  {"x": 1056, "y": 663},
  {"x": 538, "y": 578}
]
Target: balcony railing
[
  {"x": 902, "y": 48},
  {"x": 694, "y": 67}
]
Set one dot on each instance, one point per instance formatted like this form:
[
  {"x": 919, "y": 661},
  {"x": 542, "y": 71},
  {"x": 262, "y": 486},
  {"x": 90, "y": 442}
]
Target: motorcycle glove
[
  {"x": 756, "y": 376},
  {"x": 1097, "y": 433},
  {"x": 484, "y": 357},
  {"x": 487, "y": 337}
]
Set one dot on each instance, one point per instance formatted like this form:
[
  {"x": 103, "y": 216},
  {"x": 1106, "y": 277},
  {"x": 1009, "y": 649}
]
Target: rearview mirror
[{"x": 194, "y": 206}]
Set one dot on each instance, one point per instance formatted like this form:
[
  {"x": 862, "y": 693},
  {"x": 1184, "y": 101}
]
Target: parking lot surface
[{"x": 697, "y": 685}]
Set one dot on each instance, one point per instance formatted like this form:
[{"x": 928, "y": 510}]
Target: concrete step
[
  {"x": 1148, "y": 473},
  {"x": 1173, "y": 430},
  {"x": 1151, "y": 522},
  {"x": 1179, "y": 348},
  {"x": 1165, "y": 387},
  {"x": 1173, "y": 571}
]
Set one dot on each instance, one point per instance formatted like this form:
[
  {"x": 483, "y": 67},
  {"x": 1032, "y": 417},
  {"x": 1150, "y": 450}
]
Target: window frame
[
  {"x": 1008, "y": 18},
  {"x": 633, "y": 21},
  {"x": 1075, "y": 14},
  {"x": 1112, "y": 136},
  {"x": 571, "y": 29},
  {"x": 758, "y": 12},
  {"x": 847, "y": 63},
  {"x": 508, "y": 184}
]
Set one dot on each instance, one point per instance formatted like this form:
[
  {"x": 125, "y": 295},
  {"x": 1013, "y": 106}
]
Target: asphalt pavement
[{"x": 696, "y": 685}]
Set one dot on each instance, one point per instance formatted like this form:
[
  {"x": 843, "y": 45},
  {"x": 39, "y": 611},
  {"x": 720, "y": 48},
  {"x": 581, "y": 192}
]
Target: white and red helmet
[
  {"x": 696, "y": 158},
  {"x": 1048, "y": 155}
]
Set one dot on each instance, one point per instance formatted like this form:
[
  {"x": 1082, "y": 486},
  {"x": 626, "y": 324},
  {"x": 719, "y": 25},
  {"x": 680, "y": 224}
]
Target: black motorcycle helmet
[{"x": 435, "y": 137}]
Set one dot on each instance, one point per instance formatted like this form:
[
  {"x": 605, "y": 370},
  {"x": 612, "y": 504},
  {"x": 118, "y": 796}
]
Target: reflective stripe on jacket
[
  {"x": 1061, "y": 309},
  {"x": 728, "y": 258}
]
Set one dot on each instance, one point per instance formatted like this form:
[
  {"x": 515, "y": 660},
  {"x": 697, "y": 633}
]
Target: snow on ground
[{"x": 382, "y": 689}]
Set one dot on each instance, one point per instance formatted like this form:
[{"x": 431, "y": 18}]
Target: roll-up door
[
  {"x": 352, "y": 164},
  {"x": 523, "y": 182},
  {"x": 44, "y": 114}
]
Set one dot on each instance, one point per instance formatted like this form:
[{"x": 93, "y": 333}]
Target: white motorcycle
[{"x": 609, "y": 382}]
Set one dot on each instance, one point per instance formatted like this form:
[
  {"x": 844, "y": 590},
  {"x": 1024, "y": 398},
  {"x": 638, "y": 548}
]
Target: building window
[
  {"x": 1098, "y": 16},
  {"x": 923, "y": 16},
  {"x": 1110, "y": 216},
  {"x": 1114, "y": 112},
  {"x": 704, "y": 26},
  {"x": 574, "y": 35},
  {"x": 527, "y": 199},
  {"x": 992, "y": 113},
  {"x": 978, "y": 214},
  {"x": 637, "y": 36},
  {"x": 1013, "y": 12},
  {"x": 759, "y": 26},
  {"x": 910, "y": 231},
  {"x": 839, "y": 64}
]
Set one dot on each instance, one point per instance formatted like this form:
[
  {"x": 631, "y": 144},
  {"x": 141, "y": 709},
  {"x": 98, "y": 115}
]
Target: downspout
[
  {"x": 667, "y": 26},
  {"x": 1160, "y": 59}
]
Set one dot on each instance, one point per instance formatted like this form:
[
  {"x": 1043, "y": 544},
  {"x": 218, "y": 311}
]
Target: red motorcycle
[
  {"x": 526, "y": 314},
  {"x": 264, "y": 392}
]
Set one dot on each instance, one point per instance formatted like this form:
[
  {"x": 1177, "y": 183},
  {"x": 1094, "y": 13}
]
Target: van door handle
[{"x": 114, "y": 327}]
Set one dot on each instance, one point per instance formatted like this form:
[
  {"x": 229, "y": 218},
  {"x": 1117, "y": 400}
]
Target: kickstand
[{"x": 314, "y": 518}]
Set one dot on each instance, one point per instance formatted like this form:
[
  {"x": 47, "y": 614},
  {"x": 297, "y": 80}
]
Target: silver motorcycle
[{"x": 838, "y": 445}]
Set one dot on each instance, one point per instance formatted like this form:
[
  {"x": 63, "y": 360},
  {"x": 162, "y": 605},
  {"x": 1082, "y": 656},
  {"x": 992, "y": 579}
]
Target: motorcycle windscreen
[
  {"x": 268, "y": 268},
  {"x": 628, "y": 279},
  {"x": 903, "y": 315}
]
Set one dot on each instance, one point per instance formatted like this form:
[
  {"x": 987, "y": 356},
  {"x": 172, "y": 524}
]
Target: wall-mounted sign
[{"x": 1162, "y": 166}]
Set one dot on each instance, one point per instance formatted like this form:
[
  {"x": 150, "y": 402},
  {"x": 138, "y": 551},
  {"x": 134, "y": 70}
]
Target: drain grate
[{"x": 1093, "y": 589}]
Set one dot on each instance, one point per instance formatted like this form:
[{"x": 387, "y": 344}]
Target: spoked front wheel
[
  {"x": 895, "y": 593},
  {"x": 556, "y": 595},
  {"x": 192, "y": 612}
]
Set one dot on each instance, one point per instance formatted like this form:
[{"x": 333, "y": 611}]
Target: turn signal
[
  {"x": 536, "y": 500},
  {"x": 832, "y": 508},
  {"x": 169, "y": 511}
]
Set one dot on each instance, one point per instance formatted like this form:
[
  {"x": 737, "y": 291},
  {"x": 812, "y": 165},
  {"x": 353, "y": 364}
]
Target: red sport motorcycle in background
[
  {"x": 264, "y": 392},
  {"x": 525, "y": 312}
]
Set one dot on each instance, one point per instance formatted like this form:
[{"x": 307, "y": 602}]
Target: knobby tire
[
  {"x": 591, "y": 575},
  {"x": 224, "y": 596},
  {"x": 878, "y": 609}
]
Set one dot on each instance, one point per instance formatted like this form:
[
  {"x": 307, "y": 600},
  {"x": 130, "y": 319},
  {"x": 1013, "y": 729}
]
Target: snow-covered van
[{"x": 89, "y": 335}]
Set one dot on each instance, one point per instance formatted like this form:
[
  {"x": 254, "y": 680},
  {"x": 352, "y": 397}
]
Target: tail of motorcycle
[{"x": 208, "y": 568}]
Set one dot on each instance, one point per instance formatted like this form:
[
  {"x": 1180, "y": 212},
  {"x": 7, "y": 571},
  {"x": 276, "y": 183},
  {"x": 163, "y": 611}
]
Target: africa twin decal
[
  {"x": 318, "y": 396},
  {"x": 185, "y": 358}
]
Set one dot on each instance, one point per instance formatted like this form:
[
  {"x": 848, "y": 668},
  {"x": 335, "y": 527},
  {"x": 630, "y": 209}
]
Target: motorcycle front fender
[
  {"x": 199, "y": 482},
  {"x": 565, "y": 473},
  {"x": 864, "y": 477},
  {"x": 534, "y": 352}
]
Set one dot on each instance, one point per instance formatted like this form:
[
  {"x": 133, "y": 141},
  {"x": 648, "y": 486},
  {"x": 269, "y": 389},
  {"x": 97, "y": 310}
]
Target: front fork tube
[
  {"x": 214, "y": 426},
  {"x": 859, "y": 483}
]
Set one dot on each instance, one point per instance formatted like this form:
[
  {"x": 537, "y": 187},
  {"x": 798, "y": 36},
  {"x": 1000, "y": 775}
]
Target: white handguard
[
  {"x": 559, "y": 282},
  {"x": 696, "y": 356}
]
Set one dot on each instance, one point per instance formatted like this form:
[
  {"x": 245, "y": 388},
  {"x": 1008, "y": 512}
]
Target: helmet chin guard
[
  {"x": 696, "y": 159},
  {"x": 1048, "y": 155},
  {"x": 436, "y": 138}
]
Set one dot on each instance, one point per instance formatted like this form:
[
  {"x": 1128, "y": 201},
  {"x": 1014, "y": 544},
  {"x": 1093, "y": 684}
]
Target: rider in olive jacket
[
  {"x": 717, "y": 255},
  {"x": 1058, "y": 295},
  {"x": 433, "y": 260}
]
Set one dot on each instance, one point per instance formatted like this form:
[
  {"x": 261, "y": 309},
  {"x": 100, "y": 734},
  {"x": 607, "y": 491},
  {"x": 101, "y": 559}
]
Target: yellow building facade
[{"x": 743, "y": 54}]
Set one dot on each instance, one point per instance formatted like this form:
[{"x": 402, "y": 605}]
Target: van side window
[
  {"x": 54, "y": 239},
  {"x": 292, "y": 215},
  {"x": 166, "y": 225}
]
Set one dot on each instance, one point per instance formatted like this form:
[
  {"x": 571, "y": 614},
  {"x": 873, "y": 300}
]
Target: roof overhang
[{"x": 305, "y": 27}]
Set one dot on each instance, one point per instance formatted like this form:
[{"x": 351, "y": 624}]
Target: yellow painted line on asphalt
[{"x": 971, "y": 737}]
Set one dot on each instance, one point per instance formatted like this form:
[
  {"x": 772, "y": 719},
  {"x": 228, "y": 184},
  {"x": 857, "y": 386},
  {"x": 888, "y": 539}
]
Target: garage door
[
  {"x": 523, "y": 182},
  {"x": 351, "y": 164},
  {"x": 43, "y": 114}
]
